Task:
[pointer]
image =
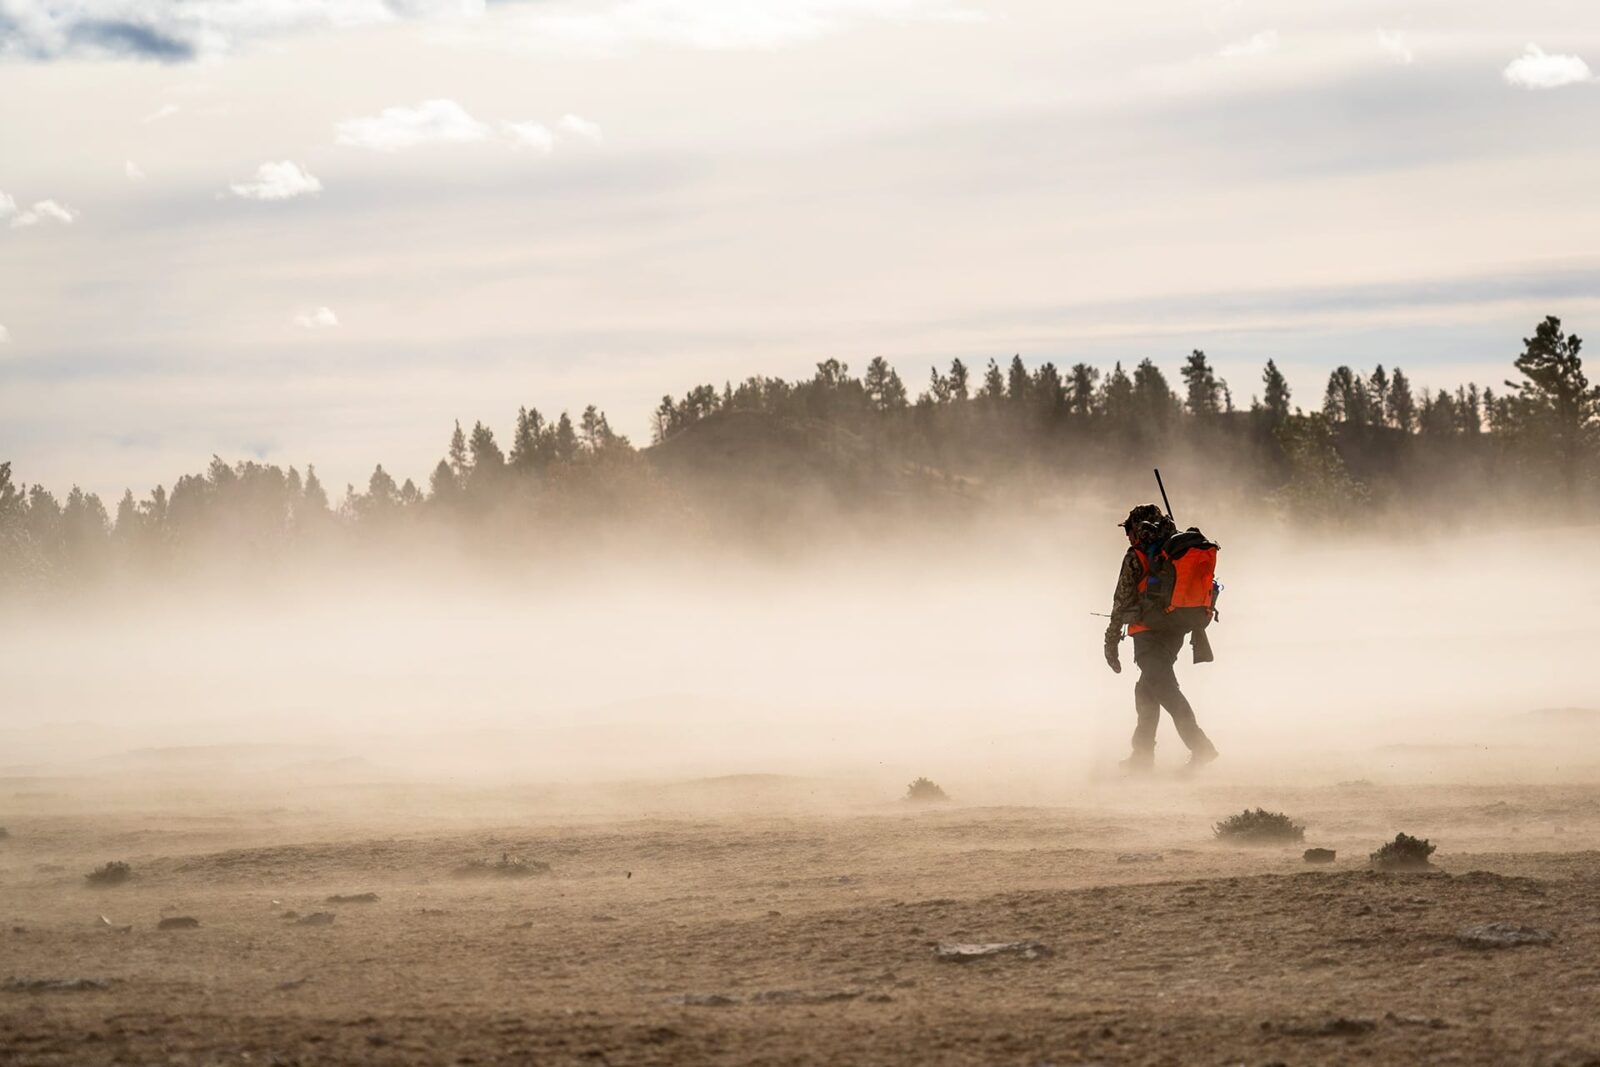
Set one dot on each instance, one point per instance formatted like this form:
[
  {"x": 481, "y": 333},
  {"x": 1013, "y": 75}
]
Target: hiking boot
[
  {"x": 1137, "y": 765},
  {"x": 1200, "y": 757}
]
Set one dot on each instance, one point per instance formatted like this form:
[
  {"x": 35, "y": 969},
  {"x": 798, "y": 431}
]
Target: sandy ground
[{"x": 780, "y": 920}]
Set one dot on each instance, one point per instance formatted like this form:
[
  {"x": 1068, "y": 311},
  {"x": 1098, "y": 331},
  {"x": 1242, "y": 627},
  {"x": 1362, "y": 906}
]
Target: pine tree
[
  {"x": 1080, "y": 389},
  {"x": 994, "y": 383},
  {"x": 459, "y": 463},
  {"x": 1017, "y": 381},
  {"x": 1401, "y": 405},
  {"x": 566, "y": 439},
  {"x": 958, "y": 380},
  {"x": 315, "y": 499},
  {"x": 1555, "y": 402},
  {"x": 1200, "y": 380},
  {"x": 885, "y": 390},
  {"x": 1275, "y": 394}
]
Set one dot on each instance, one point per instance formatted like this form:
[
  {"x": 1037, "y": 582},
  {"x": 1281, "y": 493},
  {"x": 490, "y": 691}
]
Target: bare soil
[{"x": 786, "y": 921}]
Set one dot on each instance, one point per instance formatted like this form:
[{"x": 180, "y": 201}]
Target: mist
[{"x": 968, "y": 653}]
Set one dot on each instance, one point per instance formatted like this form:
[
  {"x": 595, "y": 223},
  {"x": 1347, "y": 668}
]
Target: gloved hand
[{"x": 1113, "y": 639}]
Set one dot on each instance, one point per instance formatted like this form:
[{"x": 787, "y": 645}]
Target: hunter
[{"x": 1155, "y": 650}]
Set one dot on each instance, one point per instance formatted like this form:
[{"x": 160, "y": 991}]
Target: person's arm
[
  {"x": 1124, "y": 608},
  {"x": 1125, "y": 601}
]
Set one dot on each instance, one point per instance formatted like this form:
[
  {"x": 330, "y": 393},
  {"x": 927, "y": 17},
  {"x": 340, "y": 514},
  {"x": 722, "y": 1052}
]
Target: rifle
[{"x": 1161, "y": 486}]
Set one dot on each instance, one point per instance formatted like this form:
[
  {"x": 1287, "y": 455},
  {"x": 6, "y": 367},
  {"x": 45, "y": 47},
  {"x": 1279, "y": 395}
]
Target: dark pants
[{"x": 1155, "y": 651}]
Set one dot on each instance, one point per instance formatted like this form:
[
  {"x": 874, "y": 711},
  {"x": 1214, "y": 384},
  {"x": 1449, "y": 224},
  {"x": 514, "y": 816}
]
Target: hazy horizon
[{"x": 320, "y": 235}]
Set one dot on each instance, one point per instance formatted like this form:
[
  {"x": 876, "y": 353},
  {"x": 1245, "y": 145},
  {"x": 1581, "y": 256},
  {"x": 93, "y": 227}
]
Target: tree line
[{"x": 1374, "y": 440}]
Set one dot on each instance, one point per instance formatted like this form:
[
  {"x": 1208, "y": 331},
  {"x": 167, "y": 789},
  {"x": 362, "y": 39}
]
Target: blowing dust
[{"x": 971, "y": 658}]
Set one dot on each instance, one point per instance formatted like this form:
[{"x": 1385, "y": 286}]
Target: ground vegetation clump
[{"x": 1259, "y": 827}]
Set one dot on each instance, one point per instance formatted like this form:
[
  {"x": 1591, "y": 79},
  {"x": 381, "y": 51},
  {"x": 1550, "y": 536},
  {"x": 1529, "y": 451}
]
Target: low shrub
[
  {"x": 1259, "y": 827},
  {"x": 924, "y": 790},
  {"x": 114, "y": 873},
  {"x": 1404, "y": 853}
]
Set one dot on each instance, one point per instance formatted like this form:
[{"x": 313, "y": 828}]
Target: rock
[
  {"x": 1340, "y": 1027},
  {"x": 1415, "y": 1020},
  {"x": 293, "y": 983},
  {"x": 796, "y": 996},
  {"x": 705, "y": 1000},
  {"x": 966, "y": 953},
  {"x": 1320, "y": 855},
  {"x": 1140, "y": 857},
  {"x": 1504, "y": 935},
  {"x": 316, "y": 918},
  {"x": 178, "y": 922},
  {"x": 55, "y": 985},
  {"x": 352, "y": 898}
]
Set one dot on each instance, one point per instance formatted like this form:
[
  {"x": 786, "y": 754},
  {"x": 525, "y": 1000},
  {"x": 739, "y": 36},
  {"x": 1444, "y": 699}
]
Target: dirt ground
[{"x": 784, "y": 920}]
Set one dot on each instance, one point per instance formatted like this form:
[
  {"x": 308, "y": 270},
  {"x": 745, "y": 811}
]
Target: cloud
[
  {"x": 165, "y": 111},
  {"x": 277, "y": 181},
  {"x": 5, "y": 334},
  {"x": 534, "y": 135},
  {"x": 8, "y": 206},
  {"x": 610, "y": 26},
  {"x": 42, "y": 211},
  {"x": 1397, "y": 46},
  {"x": 1536, "y": 70},
  {"x": 1255, "y": 45},
  {"x": 134, "y": 172},
  {"x": 321, "y": 318},
  {"x": 579, "y": 126},
  {"x": 166, "y": 31},
  {"x": 394, "y": 128}
]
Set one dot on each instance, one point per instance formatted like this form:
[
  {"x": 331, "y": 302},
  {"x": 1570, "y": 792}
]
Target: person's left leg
[{"x": 1155, "y": 656}]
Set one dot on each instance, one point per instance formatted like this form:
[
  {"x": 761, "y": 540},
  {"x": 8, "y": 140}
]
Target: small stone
[
  {"x": 1504, "y": 935},
  {"x": 178, "y": 922},
  {"x": 55, "y": 985},
  {"x": 704, "y": 1000},
  {"x": 966, "y": 953},
  {"x": 316, "y": 918},
  {"x": 352, "y": 898},
  {"x": 1140, "y": 857},
  {"x": 1320, "y": 855}
]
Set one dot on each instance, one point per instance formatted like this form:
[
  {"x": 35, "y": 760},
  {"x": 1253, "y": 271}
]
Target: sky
[{"x": 319, "y": 232}]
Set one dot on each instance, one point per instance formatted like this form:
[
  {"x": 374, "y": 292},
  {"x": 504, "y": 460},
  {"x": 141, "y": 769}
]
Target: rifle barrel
[{"x": 1162, "y": 486}]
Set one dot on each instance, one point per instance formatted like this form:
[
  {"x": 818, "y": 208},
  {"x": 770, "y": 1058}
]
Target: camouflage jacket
[{"x": 1125, "y": 601}]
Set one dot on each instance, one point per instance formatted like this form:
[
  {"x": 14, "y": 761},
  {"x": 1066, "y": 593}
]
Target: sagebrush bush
[
  {"x": 507, "y": 866},
  {"x": 1259, "y": 827},
  {"x": 1404, "y": 853},
  {"x": 925, "y": 789},
  {"x": 114, "y": 873}
]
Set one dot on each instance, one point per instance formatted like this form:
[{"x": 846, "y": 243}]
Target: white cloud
[
  {"x": 395, "y": 128},
  {"x": 41, "y": 211},
  {"x": 5, "y": 334},
  {"x": 284, "y": 180},
  {"x": 534, "y": 135},
  {"x": 134, "y": 172},
  {"x": 8, "y": 206},
  {"x": 610, "y": 26},
  {"x": 1397, "y": 46},
  {"x": 321, "y": 318},
  {"x": 579, "y": 126},
  {"x": 165, "y": 111},
  {"x": 1534, "y": 69},
  {"x": 1255, "y": 45}
]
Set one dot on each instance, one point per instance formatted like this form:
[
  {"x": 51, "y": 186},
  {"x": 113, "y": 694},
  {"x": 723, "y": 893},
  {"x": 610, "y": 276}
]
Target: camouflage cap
[{"x": 1142, "y": 513}]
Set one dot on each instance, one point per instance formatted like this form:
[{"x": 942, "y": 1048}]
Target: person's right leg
[{"x": 1155, "y": 652}]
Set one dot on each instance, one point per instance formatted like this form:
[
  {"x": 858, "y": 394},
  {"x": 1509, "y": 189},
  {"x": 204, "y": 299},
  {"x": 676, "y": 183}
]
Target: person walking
[{"x": 1155, "y": 651}]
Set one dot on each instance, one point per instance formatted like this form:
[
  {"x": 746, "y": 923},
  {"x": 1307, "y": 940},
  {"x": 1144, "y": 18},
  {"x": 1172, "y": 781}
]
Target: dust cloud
[{"x": 967, "y": 653}]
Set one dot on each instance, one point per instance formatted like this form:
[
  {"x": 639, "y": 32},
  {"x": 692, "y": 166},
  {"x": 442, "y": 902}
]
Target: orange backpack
[{"x": 1180, "y": 590}]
